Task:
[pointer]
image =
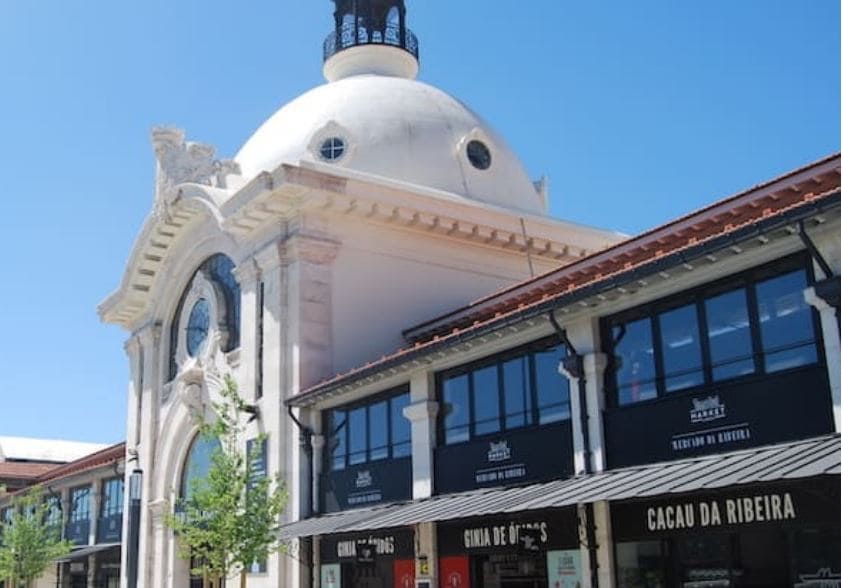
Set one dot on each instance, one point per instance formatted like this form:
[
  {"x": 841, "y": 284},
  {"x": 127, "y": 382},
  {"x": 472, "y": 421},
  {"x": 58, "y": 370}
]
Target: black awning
[
  {"x": 86, "y": 550},
  {"x": 786, "y": 461}
]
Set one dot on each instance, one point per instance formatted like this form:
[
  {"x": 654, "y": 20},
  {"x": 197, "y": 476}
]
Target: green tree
[
  {"x": 231, "y": 518},
  {"x": 29, "y": 542}
]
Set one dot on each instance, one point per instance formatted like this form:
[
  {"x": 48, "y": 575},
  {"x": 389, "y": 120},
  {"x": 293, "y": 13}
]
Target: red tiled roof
[
  {"x": 770, "y": 201},
  {"x": 24, "y": 470},
  {"x": 103, "y": 457}
]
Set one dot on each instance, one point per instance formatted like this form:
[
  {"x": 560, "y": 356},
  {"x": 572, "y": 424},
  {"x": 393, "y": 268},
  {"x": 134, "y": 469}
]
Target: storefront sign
[
  {"x": 824, "y": 578},
  {"x": 366, "y": 547},
  {"x": 454, "y": 572},
  {"x": 779, "y": 504},
  {"x": 525, "y": 532},
  {"x": 366, "y": 484},
  {"x": 564, "y": 568},
  {"x": 723, "y": 418},
  {"x": 331, "y": 576},
  {"x": 513, "y": 458}
]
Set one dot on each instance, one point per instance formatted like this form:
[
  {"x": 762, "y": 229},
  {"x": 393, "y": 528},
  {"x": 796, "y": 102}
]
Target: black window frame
[
  {"x": 386, "y": 396},
  {"x": 745, "y": 281},
  {"x": 499, "y": 360},
  {"x": 80, "y": 515},
  {"x": 108, "y": 506}
]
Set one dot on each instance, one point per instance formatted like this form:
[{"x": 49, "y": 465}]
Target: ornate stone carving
[{"x": 182, "y": 162}]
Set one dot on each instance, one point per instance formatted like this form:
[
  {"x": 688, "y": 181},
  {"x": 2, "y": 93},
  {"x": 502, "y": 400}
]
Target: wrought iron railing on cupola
[{"x": 350, "y": 35}]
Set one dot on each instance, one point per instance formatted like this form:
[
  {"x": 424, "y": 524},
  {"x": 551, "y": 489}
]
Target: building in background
[
  {"x": 86, "y": 499},
  {"x": 23, "y": 460}
]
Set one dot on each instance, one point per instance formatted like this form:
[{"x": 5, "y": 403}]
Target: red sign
[
  {"x": 454, "y": 572},
  {"x": 404, "y": 572}
]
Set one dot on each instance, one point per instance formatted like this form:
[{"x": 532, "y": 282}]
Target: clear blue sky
[{"x": 637, "y": 112}]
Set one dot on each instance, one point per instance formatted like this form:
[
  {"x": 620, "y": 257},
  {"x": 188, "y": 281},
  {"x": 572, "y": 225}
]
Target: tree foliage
[
  {"x": 231, "y": 518},
  {"x": 29, "y": 542}
]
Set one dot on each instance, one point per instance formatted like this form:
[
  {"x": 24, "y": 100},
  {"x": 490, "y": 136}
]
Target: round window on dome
[
  {"x": 332, "y": 148},
  {"x": 478, "y": 154}
]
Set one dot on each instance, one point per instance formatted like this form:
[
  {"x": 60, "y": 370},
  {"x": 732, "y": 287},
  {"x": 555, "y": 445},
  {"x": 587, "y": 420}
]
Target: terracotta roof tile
[
  {"x": 25, "y": 470},
  {"x": 109, "y": 455}
]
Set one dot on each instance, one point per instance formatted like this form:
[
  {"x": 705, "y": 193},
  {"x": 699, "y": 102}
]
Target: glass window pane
[
  {"x": 357, "y": 436},
  {"x": 455, "y": 409},
  {"x": 378, "y": 442},
  {"x": 486, "y": 401},
  {"x": 681, "y": 352},
  {"x": 729, "y": 337},
  {"x": 80, "y": 499},
  {"x": 640, "y": 564},
  {"x": 337, "y": 431},
  {"x": 787, "y": 330},
  {"x": 635, "y": 368},
  {"x": 516, "y": 391},
  {"x": 552, "y": 392},
  {"x": 400, "y": 426}
]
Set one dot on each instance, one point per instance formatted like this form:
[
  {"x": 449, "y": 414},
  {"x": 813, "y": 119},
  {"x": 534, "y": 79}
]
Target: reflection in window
[
  {"x": 516, "y": 385},
  {"x": 54, "y": 513},
  {"x": 526, "y": 384},
  {"x": 80, "y": 504},
  {"x": 368, "y": 432},
  {"x": 552, "y": 397},
  {"x": 761, "y": 323},
  {"x": 198, "y": 463},
  {"x": 787, "y": 331},
  {"x": 112, "y": 497},
  {"x": 680, "y": 346},
  {"x": 336, "y": 442},
  {"x": 486, "y": 401},
  {"x": 729, "y": 336},
  {"x": 457, "y": 412},
  {"x": 357, "y": 428},
  {"x": 378, "y": 431},
  {"x": 635, "y": 367},
  {"x": 640, "y": 564},
  {"x": 401, "y": 445}
]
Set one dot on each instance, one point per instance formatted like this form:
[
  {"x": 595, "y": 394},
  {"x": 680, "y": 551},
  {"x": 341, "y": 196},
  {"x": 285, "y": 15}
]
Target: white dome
[{"x": 397, "y": 128}]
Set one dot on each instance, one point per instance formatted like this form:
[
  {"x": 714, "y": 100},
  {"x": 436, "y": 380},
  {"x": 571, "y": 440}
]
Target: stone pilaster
[
  {"x": 831, "y": 342},
  {"x": 248, "y": 275},
  {"x": 422, "y": 416}
]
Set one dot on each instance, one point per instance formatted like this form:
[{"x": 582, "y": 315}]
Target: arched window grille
[{"x": 220, "y": 270}]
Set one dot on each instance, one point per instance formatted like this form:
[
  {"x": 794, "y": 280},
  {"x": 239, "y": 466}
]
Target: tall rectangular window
[
  {"x": 112, "y": 497},
  {"x": 401, "y": 433},
  {"x": 635, "y": 364},
  {"x": 517, "y": 398},
  {"x": 378, "y": 431},
  {"x": 486, "y": 396},
  {"x": 80, "y": 504},
  {"x": 357, "y": 435},
  {"x": 681, "y": 352},
  {"x": 729, "y": 335},
  {"x": 787, "y": 330},
  {"x": 456, "y": 409},
  {"x": 552, "y": 393},
  {"x": 337, "y": 434}
]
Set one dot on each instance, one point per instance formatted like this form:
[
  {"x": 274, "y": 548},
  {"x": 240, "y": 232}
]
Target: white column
[
  {"x": 594, "y": 364},
  {"x": 132, "y": 348},
  {"x": 94, "y": 505},
  {"x": 248, "y": 276},
  {"x": 149, "y": 382},
  {"x": 831, "y": 342},
  {"x": 422, "y": 416},
  {"x": 426, "y": 547},
  {"x": 605, "y": 544}
]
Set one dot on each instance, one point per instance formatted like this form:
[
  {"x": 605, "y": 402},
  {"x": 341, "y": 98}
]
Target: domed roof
[{"x": 397, "y": 128}]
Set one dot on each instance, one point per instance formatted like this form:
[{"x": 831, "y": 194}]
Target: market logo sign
[
  {"x": 721, "y": 512},
  {"x": 499, "y": 451},
  {"x": 505, "y": 536},
  {"x": 364, "y": 479},
  {"x": 706, "y": 410}
]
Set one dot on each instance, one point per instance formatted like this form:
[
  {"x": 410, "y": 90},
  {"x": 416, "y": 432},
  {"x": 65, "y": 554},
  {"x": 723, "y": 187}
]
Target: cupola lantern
[{"x": 370, "y": 37}]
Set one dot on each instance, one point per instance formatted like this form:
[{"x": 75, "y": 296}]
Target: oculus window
[
  {"x": 510, "y": 391},
  {"x": 478, "y": 154},
  {"x": 332, "y": 149},
  {"x": 751, "y": 324},
  {"x": 368, "y": 431}
]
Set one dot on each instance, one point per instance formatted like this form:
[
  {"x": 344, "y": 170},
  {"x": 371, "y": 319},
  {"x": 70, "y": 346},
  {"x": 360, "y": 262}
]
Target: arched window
[
  {"x": 219, "y": 270},
  {"x": 198, "y": 462}
]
